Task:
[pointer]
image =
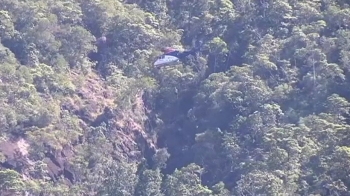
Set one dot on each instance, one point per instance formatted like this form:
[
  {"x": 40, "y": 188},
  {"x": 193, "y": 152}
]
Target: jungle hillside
[{"x": 261, "y": 110}]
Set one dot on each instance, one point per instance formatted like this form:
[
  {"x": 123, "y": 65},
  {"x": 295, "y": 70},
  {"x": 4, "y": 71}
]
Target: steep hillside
[
  {"x": 261, "y": 109},
  {"x": 89, "y": 112}
]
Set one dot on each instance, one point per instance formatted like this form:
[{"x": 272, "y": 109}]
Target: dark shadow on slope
[
  {"x": 102, "y": 43},
  {"x": 104, "y": 117},
  {"x": 178, "y": 139},
  {"x": 18, "y": 47},
  {"x": 176, "y": 132}
]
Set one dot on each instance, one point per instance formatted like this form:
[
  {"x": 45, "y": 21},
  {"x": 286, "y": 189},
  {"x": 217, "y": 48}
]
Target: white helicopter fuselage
[{"x": 166, "y": 60}]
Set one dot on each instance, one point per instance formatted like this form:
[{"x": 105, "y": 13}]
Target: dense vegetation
[{"x": 263, "y": 110}]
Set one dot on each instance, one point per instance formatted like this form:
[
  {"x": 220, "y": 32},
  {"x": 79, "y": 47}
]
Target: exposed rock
[
  {"x": 94, "y": 105},
  {"x": 127, "y": 126},
  {"x": 57, "y": 164},
  {"x": 14, "y": 154}
]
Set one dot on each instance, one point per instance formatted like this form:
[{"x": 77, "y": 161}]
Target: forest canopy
[{"x": 262, "y": 109}]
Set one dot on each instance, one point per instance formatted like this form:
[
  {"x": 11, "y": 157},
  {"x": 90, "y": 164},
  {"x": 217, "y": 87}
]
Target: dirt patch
[
  {"x": 23, "y": 146},
  {"x": 93, "y": 96},
  {"x": 14, "y": 155},
  {"x": 12, "y": 148}
]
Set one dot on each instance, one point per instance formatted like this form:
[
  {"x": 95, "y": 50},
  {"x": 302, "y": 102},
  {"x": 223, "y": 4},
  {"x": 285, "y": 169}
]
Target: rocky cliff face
[
  {"x": 14, "y": 153},
  {"x": 93, "y": 103}
]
